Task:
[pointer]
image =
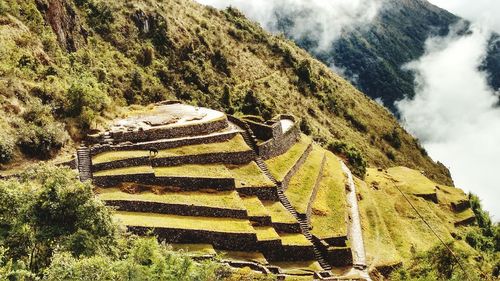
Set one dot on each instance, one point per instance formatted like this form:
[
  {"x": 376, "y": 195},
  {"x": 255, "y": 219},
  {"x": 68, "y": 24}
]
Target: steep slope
[
  {"x": 78, "y": 62},
  {"x": 372, "y": 56}
]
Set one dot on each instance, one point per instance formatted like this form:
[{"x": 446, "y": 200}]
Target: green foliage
[
  {"x": 100, "y": 15},
  {"x": 40, "y": 135},
  {"x": 393, "y": 138},
  {"x": 86, "y": 99},
  {"x": 7, "y": 145},
  {"x": 487, "y": 237},
  {"x": 355, "y": 159},
  {"x": 49, "y": 208}
]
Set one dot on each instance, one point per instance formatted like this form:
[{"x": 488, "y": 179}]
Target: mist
[
  {"x": 453, "y": 112},
  {"x": 322, "y": 21}
]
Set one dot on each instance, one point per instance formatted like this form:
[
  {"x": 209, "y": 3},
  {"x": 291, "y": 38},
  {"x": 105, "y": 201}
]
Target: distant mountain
[{"x": 372, "y": 56}]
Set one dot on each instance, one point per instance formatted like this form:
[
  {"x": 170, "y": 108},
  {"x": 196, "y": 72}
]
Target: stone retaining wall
[
  {"x": 296, "y": 167},
  {"x": 339, "y": 241},
  {"x": 263, "y": 193},
  {"x": 185, "y": 183},
  {"x": 220, "y": 240},
  {"x": 176, "y": 209},
  {"x": 162, "y": 144},
  {"x": 166, "y": 132},
  {"x": 287, "y": 227},
  {"x": 235, "y": 158},
  {"x": 460, "y": 205},
  {"x": 339, "y": 256},
  {"x": 261, "y": 220},
  {"x": 280, "y": 145}
]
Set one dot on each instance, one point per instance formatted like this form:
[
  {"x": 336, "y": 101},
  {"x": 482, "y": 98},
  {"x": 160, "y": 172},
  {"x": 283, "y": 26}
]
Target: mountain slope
[
  {"x": 372, "y": 56},
  {"x": 78, "y": 62}
]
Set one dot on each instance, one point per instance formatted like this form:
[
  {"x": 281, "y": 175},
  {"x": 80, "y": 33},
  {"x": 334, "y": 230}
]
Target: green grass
[
  {"x": 302, "y": 183},
  {"x": 194, "y": 170},
  {"x": 278, "y": 212},
  {"x": 299, "y": 267},
  {"x": 244, "y": 256},
  {"x": 236, "y": 144},
  {"x": 249, "y": 175},
  {"x": 229, "y": 225},
  {"x": 280, "y": 165},
  {"x": 408, "y": 180},
  {"x": 110, "y": 156},
  {"x": 254, "y": 207},
  {"x": 329, "y": 209},
  {"x": 294, "y": 239},
  {"x": 125, "y": 171},
  {"x": 265, "y": 233},
  {"x": 195, "y": 249},
  {"x": 226, "y": 199}
]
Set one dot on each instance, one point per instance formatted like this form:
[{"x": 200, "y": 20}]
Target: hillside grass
[
  {"x": 228, "y": 225},
  {"x": 266, "y": 233},
  {"x": 254, "y": 207},
  {"x": 235, "y": 144},
  {"x": 329, "y": 209},
  {"x": 249, "y": 175},
  {"x": 125, "y": 171},
  {"x": 294, "y": 239},
  {"x": 302, "y": 183},
  {"x": 110, "y": 156},
  {"x": 222, "y": 199},
  {"x": 194, "y": 170},
  {"x": 281, "y": 164},
  {"x": 391, "y": 228},
  {"x": 278, "y": 212}
]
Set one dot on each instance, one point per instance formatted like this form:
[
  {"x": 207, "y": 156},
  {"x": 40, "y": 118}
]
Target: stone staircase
[
  {"x": 304, "y": 226},
  {"x": 84, "y": 163}
]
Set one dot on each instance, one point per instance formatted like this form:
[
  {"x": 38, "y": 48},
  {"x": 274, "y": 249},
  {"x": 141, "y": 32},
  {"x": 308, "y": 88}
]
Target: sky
[{"x": 453, "y": 110}]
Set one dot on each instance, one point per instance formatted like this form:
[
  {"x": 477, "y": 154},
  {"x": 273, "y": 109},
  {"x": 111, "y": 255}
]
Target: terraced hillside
[
  {"x": 263, "y": 194},
  {"x": 207, "y": 184}
]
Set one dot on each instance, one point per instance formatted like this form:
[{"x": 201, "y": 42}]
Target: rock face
[{"x": 65, "y": 22}]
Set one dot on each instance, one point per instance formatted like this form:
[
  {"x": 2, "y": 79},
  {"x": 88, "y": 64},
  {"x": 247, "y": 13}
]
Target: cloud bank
[
  {"x": 321, "y": 20},
  {"x": 453, "y": 112}
]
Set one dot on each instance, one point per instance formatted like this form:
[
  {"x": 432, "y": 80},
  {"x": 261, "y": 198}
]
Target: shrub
[
  {"x": 393, "y": 138},
  {"x": 7, "y": 145},
  {"x": 354, "y": 157},
  {"x": 86, "y": 99}
]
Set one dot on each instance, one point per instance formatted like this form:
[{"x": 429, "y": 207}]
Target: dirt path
[{"x": 355, "y": 233}]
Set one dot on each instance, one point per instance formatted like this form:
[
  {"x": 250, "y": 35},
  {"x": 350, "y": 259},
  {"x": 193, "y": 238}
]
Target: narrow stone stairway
[{"x": 84, "y": 163}]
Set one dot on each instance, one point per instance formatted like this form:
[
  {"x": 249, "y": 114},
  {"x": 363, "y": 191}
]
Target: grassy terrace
[
  {"x": 125, "y": 171},
  {"x": 280, "y": 165},
  {"x": 228, "y": 225},
  {"x": 227, "y": 199},
  {"x": 249, "y": 175},
  {"x": 244, "y": 256},
  {"x": 302, "y": 183},
  {"x": 278, "y": 212},
  {"x": 236, "y": 144},
  {"x": 294, "y": 239},
  {"x": 195, "y": 249},
  {"x": 299, "y": 267},
  {"x": 110, "y": 156},
  {"x": 265, "y": 233},
  {"x": 254, "y": 207},
  {"x": 329, "y": 209},
  {"x": 409, "y": 180},
  {"x": 194, "y": 170}
]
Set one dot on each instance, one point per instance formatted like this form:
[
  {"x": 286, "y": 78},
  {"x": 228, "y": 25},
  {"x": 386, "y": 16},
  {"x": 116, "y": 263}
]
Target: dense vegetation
[
  {"x": 53, "y": 228},
  {"x": 69, "y": 66}
]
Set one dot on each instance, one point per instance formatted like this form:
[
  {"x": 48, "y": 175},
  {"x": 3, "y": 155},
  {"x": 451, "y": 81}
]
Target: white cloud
[
  {"x": 484, "y": 12},
  {"x": 453, "y": 112},
  {"x": 322, "y": 20}
]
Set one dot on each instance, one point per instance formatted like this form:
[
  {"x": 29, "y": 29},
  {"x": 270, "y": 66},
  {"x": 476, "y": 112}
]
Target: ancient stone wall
[
  {"x": 287, "y": 227},
  {"x": 166, "y": 132},
  {"x": 162, "y": 144},
  {"x": 339, "y": 256},
  {"x": 184, "y": 183},
  {"x": 176, "y": 209},
  {"x": 263, "y": 193},
  {"x": 220, "y": 240},
  {"x": 280, "y": 145}
]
